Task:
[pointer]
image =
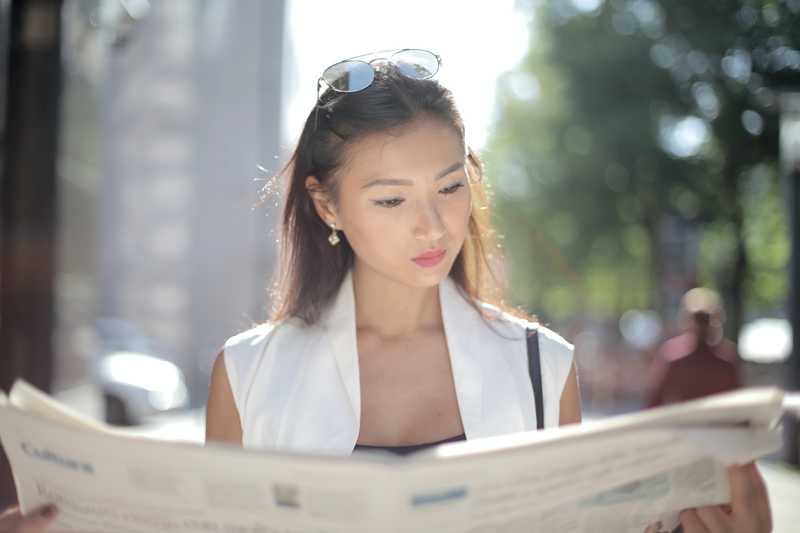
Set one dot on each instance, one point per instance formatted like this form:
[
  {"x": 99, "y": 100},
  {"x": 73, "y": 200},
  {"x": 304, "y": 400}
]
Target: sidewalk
[{"x": 783, "y": 486}]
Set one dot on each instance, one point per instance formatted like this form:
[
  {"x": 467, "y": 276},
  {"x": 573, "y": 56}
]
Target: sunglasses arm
[{"x": 316, "y": 106}]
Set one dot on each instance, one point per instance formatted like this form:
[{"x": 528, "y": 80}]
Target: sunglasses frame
[{"x": 374, "y": 57}]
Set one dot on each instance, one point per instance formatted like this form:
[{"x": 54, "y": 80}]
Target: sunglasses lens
[
  {"x": 348, "y": 76},
  {"x": 418, "y": 64}
]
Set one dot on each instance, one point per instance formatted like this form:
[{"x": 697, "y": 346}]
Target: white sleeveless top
[{"x": 297, "y": 387}]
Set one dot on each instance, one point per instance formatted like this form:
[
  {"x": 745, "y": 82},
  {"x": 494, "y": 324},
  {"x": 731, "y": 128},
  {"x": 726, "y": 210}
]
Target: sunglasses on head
[{"x": 357, "y": 73}]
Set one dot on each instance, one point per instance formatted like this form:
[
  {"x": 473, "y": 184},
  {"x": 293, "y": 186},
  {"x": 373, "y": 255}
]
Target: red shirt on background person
[{"x": 699, "y": 362}]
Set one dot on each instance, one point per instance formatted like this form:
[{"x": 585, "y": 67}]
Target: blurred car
[{"x": 135, "y": 381}]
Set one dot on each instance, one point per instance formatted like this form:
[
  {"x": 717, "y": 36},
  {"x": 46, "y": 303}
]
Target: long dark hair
[{"x": 311, "y": 270}]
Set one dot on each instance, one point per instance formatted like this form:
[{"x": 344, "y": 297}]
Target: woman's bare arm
[
  {"x": 222, "y": 416},
  {"x": 570, "y": 404}
]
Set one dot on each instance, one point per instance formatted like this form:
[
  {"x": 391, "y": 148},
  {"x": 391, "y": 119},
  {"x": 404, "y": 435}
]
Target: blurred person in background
[{"x": 700, "y": 361}]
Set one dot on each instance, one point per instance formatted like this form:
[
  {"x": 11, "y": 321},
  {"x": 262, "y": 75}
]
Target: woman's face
[{"x": 405, "y": 195}]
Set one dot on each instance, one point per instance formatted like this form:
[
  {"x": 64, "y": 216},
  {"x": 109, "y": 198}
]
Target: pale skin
[{"x": 420, "y": 201}]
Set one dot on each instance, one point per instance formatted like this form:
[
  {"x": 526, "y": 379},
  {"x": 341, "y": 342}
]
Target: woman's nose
[{"x": 429, "y": 224}]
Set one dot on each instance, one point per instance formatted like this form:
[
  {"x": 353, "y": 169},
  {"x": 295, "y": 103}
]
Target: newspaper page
[{"x": 620, "y": 474}]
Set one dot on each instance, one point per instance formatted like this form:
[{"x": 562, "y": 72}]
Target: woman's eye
[
  {"x": 393, "y": 202},
  {"x": 452, "y": 188}
]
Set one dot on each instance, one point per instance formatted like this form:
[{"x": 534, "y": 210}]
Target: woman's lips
[{"x": 429, "y": 259}]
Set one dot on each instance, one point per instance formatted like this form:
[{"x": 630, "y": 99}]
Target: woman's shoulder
[
  {"x": 252, "y": 336},
  {"x": 243, "y": 350},
  {"x": 551, "y": 343},
  {"x": 258, "y": 334}
]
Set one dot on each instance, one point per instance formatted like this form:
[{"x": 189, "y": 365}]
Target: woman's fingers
[
  {"x": 691, "y": 522},
  {"x": 762, "y": 497},
  {"x": 715, "y": 519},
  {"x": 749, "y": 498},
  {"x": 653, "y": 528},
  {"x": 9, "y": 520},
  {"x": 12, "y": 521},
  {"x": 38, "y": 520},
  {"x": 743, "y": 489}
]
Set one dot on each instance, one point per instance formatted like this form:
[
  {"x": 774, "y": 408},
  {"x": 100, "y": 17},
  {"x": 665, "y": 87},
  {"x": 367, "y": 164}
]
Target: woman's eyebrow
[{"x": 392, "y": 181}]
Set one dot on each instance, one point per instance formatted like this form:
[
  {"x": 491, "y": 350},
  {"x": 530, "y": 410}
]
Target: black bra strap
[{"x": 535, "y": 372}]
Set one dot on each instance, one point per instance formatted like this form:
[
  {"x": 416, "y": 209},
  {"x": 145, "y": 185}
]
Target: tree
[{"x": 630, "y": 117}]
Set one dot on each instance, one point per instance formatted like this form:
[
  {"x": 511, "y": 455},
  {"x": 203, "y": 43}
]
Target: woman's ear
[{"x": 323, "y": 204}]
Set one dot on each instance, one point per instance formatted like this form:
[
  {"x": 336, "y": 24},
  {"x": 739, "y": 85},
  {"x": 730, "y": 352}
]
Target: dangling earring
[{"x": 333, "y": 238}]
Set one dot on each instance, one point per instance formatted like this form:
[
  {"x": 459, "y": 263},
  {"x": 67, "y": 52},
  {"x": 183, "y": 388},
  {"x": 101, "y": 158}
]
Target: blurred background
[{"x": 635, "y": 149}]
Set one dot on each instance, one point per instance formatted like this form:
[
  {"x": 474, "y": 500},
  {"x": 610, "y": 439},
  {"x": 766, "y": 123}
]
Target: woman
[
  {"x": 381, "y": 335},
  {"x": 381, "y": 328}
]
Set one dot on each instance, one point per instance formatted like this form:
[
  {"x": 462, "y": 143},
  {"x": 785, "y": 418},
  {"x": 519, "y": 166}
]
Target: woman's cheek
[
  {"x": 461, "y": 213},
  {"x": 384, "y": 225}
]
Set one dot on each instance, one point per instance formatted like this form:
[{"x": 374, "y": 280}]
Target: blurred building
[{"x": 169, "y": 109}]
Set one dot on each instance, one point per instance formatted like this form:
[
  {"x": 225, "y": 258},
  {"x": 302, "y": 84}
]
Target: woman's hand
[
  {"x": 748, "y": 512},
  {"x": 12, "y": 521}
]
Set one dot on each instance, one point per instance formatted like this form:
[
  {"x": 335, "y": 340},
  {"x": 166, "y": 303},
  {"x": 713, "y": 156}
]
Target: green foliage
[
  {"x": 766, "y": 240},
  {"x": 587, "y": 159}
]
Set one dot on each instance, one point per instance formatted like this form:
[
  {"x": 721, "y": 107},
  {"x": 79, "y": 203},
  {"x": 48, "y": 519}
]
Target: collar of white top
[{"x": 489, "y": 364}]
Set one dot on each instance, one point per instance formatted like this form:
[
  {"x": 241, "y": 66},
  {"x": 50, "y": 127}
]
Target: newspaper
[{"x": 618, "y": 474}]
